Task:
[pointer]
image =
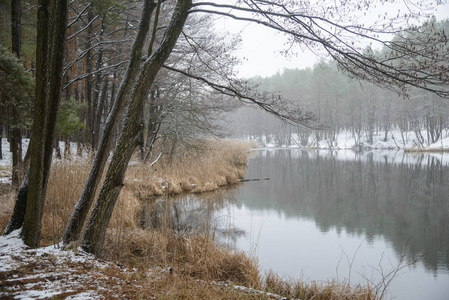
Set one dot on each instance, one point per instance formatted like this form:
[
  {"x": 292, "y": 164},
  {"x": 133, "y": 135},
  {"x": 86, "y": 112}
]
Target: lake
[{"x": 325, "y": 215}]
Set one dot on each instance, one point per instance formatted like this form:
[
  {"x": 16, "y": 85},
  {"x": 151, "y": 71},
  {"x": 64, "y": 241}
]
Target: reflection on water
[
  {"x": 405, "y": 202},
  {"x": 327, "y": 214},
  {"x": 191, "y": 214}
]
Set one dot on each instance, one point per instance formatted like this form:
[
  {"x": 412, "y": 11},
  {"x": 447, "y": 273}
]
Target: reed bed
[
  {"x": 426, "y": 150},
  {"x": 298, "y": 289},
  {"x": 7, "y": 198},
  {"x": 194, "y": 261},
  {"x": 208, "y": 166}
]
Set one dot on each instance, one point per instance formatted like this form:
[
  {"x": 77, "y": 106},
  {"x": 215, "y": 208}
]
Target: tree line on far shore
[{"x": 344, "y": 104}]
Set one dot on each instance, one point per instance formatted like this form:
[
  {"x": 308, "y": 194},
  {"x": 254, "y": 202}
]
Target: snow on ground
[
  {"x": 52, "y": 273},
  {"x": 347, "y": 140},
  {"x": 49, "y": 272},
  {"x": 442, "y": 144},
  {"x": 6, "y": 162}
]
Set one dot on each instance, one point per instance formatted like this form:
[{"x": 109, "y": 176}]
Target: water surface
[{"x": 325, "y": 215}]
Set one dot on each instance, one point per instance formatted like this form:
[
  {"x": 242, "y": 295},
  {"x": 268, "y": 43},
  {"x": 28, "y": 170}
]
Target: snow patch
[
  {"x": 394, "y": 139},
  {"x": 56, "y": 271}
]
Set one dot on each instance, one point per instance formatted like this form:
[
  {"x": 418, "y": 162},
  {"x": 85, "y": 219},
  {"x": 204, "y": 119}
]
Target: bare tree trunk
[
  {"x": 16, "y": 134},
  {"x": 16, "y": 148},
  {"x": 154, "y": 123},
  {"x": 96, "y": 98},
  {"x": 79, "y": 215},
  {"x": 51, "y": 27},
  {"x": 16, "y": 26},
  {"x": 1, "y": 137},
  {"x": 57, "y": 148},
  {"x": 94, "y": 235},
  {"x": 67, "y": 151},
  {"x": 18, "y": 215},
  {"x": 88, "y": 80},
  {"x": 99, "y": 111}
]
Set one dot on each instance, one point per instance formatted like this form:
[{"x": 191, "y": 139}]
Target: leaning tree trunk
[
  {"x": 18, "y": 214},
  {"x": 99, "y": 110},
  {"x": 88, "y": 79},
  {"x": 51, "y": 27},
  {"x": 96, "y": 96},
  {"x": 94, "y": 235},
  {"x": 79, "y": 215},
  {"x": 1, "y": 136}
]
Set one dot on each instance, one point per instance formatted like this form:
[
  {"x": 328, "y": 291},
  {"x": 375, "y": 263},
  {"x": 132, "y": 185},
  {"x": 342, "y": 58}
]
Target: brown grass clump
[
  {"x": 296, "y": 289},
  {"x": 185, "y": 287},
  {"x": 212, "y": 164},
  {"x": 195, "y": 256},
  {"x": 426, "y": 150},
  {"x": 7, "y": 198},
  {"x": 65, "y": 184}
]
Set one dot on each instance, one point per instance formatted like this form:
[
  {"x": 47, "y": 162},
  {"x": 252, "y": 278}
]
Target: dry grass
[
  {"x": 425, "y": 150},
  {"x": 212, "y": 164},
  {"x": 65, "y": 184},
  {"x": 7, "y": 198},
  {"x": 194, "y": 258},
  {"x": 296, "y": 289}
]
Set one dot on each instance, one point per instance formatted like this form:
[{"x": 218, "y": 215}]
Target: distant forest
[{"x": 343, "y": 104}]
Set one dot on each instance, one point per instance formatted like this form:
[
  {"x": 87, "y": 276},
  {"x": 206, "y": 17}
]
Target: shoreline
[{"x": 356, "y": 149}]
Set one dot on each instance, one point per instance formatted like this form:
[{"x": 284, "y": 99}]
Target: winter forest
[
  {"x": 347, "y": 106},
  {"x": 134, "y": 84},
  {"x": 350, "y": 108}
]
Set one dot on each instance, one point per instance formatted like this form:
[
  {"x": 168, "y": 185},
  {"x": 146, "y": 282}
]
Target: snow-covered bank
[
  {"x": 53, "y": 273},
  {"x": 396, "y": 157},
  {"x": 348, "y": 140},
  {"x": 46, "y": 272}
]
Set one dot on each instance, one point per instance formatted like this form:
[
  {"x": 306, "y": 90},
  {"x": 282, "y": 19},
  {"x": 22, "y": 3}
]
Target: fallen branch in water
[{"x": 256, "y": 179}]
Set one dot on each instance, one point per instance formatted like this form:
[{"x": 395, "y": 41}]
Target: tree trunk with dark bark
[
  {"x": 16, "y": 148},
  {"x": 16, "y": 134},
  {"x": 99, "y": 110},
  {"x": 51, "y": 27},
  {"x": 1, "y": 138},
  {"x": 18, "y": 215},
  {"x": 96, "y": 96},
  {"x": 88, "y": 79}
]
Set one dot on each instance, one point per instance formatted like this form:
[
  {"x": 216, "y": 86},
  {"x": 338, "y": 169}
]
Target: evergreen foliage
[
  {"x": 68, "y": 117},
  {"x": 17, "y": 90}
]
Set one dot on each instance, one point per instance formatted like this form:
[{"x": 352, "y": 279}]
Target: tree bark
[
  {"x": 79, "y": 215},
  {"x": 1, "y": 137},
  {"x": 88, "y": 80},
  {"x": 94, "y": 235},
  {"x": 154, "y": 123},
  {"x": 16, "y": 26},
  {"x": 96, "y": 98},
  {"x": 18, "y": 215},
  {"x": 99, "y": 110},
  {"x": 16, "y": 148},
  {"x": 51, "y": 28},
  {"x": 16, "y": 134}
]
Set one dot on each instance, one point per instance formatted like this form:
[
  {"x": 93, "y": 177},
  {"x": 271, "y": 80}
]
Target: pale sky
[{"x": 260, "y": 47}]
